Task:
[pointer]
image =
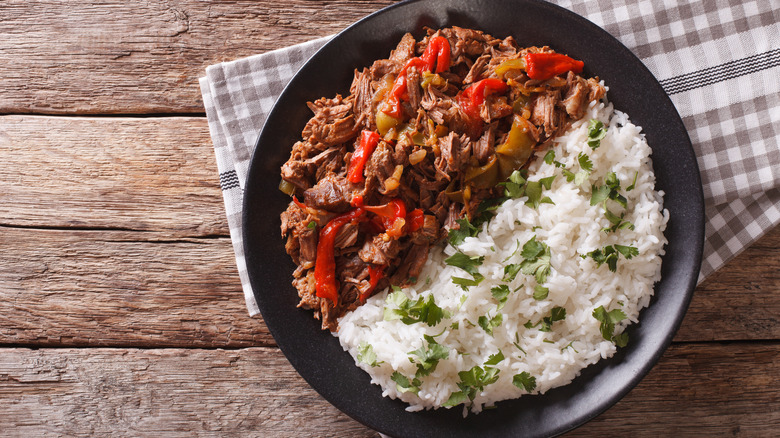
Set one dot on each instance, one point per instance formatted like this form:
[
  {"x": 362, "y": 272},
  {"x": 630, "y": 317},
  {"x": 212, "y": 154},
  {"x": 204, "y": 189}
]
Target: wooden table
[{"x": 121, "y": 309}]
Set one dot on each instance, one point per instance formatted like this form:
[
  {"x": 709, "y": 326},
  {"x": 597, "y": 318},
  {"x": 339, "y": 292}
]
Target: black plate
[{"x": 317, "y": 355}]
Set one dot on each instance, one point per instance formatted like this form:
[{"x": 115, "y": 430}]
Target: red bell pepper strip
[
  {"x": 397, "y": 93},
  {"x": 325, "y": 283},
  {"x": 415, "y": 219},
  {"x": 375, "y": 273},
  {"x": 417, "y": 62},
  {"x": 368, "y": 142},
  {"x": 435, "y": 58},
  {"x": 543, "y": 66},
  {"x": 437, "y": 54},
  {"x": 473, "y": 97},
  {"x": 393, "y": 216}
]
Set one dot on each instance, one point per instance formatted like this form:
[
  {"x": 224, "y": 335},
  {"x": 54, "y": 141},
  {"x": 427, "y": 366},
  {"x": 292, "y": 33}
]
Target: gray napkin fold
[{"x": 719, "y": 61}]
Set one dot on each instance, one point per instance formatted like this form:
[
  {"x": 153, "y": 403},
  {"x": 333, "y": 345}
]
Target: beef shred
[{"x": 423, "y": 161}]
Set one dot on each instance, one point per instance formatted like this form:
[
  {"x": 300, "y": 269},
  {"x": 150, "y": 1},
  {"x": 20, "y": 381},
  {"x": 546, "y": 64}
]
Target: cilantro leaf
[
  {"x": 475, "y": 380},
  {"x": 628, "y": 251},
  {"x": 607, "y": 326},
  {"x": 468, "y": 264},
  {"x": 425, "y": 310},
  {"x": 488, "y": 324},
  {"x": 456, "y": 398},
  {"x": 510, "y": 272},
  {"x": 456, "y": 237},
  {"x": 585, "y": 163},
  {"x": 495, "y": 359},
  {"x": 596, "y": 132},
  {"x": 599, "y": 194},
  {"x": 366, "y": 354},
  {"x": 620, "y": 340},
  {"x": 533, "y": 189},
  {"x": 617, "y": 221},
  {"x": 609, "y": 255},
  {"x": 428, "y": 358},
  {"x": 549, "y": 157},
  {"x": 465, "y": 283},
  {"x": 525, "y": 381},
  {"x": 537, "y": 260},
  {"x": 518, "y": 186},
  {"x": 540, "y": 292},
  {"x": 465, "y": 262},
  {"x": 545, "y": 325},
  {"x": 403, "y": 384},
  {"x": 515, "y": 186},
  {"x": 500, "y": 293}
]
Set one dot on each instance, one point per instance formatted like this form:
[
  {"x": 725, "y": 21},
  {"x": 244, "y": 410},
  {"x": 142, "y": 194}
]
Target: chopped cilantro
[
  {"x": 609, "y": 255},
  {"x": 465, "y": 262},
  {"x": 617, "y": 221},
  {"x": 533, "y": 189},
  {"x": 427, "y": 358},
  {"x": 469, "y": 264},
  {"x": 596, "y": 132},
  {"x": 607, "y": 327},
  {"x": 610, "y": 190},
  {"x": 545, "y": 325},
  {"x": 403, "y": 384},
  {"x": 633, "y": 184},
  {"x": 398, "y": 306},
  {"x": 500, "y": 293},
  {"x": 366, "y": 354},
  {"x": 456, "y": 237},
  {"x": 517, "y": 186},
  {"x": 540, "y": 292},
  {"x": 488, "y": 324},
  {"x": 510, "y": 271},
  {"x": 570, "y": 345},
  {"x": 311, "y": 225},
  {"x": 495, "y": 359},
  {"x": 457, "y": 398},
  {"x": 586, "y": 167},
  {"x": 537, "y": 260},
  {"x": 465, "y": 283},
  {"x": 525, "y": 381},
  {"x": 549, "y": 157},
  {"x": 475, "y": 380}
]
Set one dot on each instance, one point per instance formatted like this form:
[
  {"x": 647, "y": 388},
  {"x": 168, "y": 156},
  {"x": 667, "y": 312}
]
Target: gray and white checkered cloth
[{"x": 719, "y": 61}]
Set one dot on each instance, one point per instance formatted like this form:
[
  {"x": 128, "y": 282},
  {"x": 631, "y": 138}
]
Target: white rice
[{"x": 570, "y": 227}]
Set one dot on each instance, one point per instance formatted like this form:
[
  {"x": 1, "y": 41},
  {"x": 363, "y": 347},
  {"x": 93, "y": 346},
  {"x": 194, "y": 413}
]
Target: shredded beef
[
  {"x": 332, "y": 193},
  {"x": 423, "y": 161}
]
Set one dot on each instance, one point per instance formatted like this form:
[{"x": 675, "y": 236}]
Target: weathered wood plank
[
  {"x": 115, "y": 288},
  {"x": 741, "y": 300},
  {"x": 700, "y": 390},
  {"x": 129, "y": 173},
  {"x": 115, "y": 56},
  {"x": 126, "y": 289},
  {"x": 695, "y": 390},
  {"x": 172, "y": 393}
]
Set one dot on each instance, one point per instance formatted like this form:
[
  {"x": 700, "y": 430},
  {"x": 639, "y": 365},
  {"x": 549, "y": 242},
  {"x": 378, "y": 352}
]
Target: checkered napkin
[{"x": 719, "y": 61}]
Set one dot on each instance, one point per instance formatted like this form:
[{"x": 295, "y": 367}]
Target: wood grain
[
  {"x": 172, "y": 393},
  {"x": 118, "y": 288},
  {"x": 114, "y": 56},
  {"x": 66, "y": 288},
  {"x": 741, "y": 301},
  {"x": 695, "y": 390},
  {"x": 141, "y": 174}
]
